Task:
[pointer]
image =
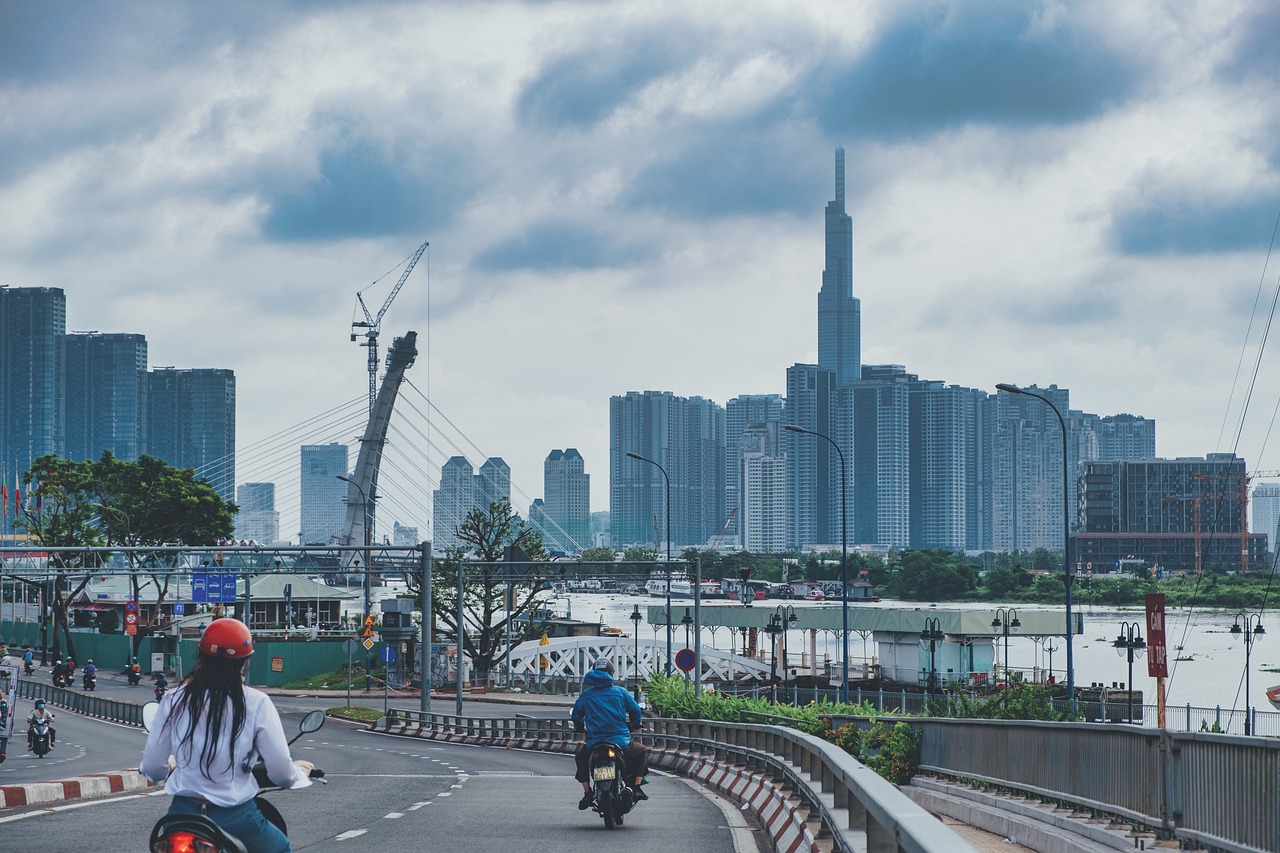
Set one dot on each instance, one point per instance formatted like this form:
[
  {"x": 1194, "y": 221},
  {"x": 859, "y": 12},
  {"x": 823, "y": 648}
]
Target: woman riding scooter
[{"x": 206, "y": 735}]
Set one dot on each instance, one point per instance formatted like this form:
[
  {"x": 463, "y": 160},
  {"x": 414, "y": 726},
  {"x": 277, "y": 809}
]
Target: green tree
[
  {"x": 637, "y": 554},
  {"x": 933, "y": 575},
  {"x": 598, "y": 555},
  {"x": 487, "y": 534}
]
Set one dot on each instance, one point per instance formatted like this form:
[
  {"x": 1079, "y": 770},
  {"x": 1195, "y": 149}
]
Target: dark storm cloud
[
  {"x": 585, "y": 86},
  {"x": 972, "y": 63},
  {"x": 364, "y": 190},
  {"x": 560, "y": 246},
  {"x": 1172, "y": 222}
]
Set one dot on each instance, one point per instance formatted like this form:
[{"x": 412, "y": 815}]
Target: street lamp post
[
  {"x": 1006, "y": 619},
  {"x": 368, "y": 569},
  {"x": 1066, "y": 534},
  {"x": 667, "y": 481},
  {"x": 779, "y": 621},
  {"x": 635, "y": 618},
  {"x": 1130, "y": 641},
  {"x": 933, "y": 633},
  {"x": 844, "y": 561},
  {"x": 1251, "y": 630}
]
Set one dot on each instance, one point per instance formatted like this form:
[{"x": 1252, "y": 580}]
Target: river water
[{"x": 1206, "y": 661}]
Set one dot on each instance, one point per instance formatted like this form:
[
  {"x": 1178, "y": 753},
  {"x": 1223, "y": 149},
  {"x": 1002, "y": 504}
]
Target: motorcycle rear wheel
[{"x": 605, "y": 801}]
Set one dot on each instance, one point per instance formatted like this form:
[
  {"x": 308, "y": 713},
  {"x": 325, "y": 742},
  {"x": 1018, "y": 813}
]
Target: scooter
[
  {"x": 178, "y": 833},
  {"x": 134, "y": 674},
  {"x": 60, "y": 680},
  {"x": 607, "y": 770},
  {"x": 90, "y": 680},
  {"x": 28, "y": 667},
  {"x": 161, "y": 689},
  {"x": 39, "y": 733}
]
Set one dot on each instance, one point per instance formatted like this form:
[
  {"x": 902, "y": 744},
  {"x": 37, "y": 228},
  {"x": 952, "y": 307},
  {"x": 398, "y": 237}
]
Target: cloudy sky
[{"x": 628, "y": 195}]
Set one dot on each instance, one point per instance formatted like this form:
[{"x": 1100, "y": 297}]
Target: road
[{"x": 387, "y": 793}]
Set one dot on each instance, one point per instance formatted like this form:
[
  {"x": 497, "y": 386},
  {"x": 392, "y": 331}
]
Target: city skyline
[{"x": 649, "y": 217}]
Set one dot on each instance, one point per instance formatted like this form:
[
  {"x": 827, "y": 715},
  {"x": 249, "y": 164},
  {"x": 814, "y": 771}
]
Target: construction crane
[
  {"x": 724, "y": 528},
  {"x": 1242, "y": 494},
  {"x": 373, "y": 324}
]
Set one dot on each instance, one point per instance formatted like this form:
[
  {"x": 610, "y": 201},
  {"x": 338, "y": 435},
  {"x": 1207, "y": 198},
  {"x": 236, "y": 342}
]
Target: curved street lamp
[
  {"x": 1066, "y": 533},
  {"x": 844, "y": 560},
  {"x": 1006, "y": 620},
  {"x": 1252, "y": 630},
  {"x": 666, "y": 480},
  {"x": 1130, "y": 641}
]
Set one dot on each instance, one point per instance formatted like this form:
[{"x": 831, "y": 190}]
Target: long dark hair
[{"x": 209, "y": 685}]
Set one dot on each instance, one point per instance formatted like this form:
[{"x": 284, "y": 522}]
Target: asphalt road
[{"x": 388, "y": 792}]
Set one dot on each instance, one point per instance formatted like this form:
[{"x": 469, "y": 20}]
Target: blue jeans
[{"x": 245, "y": 822}]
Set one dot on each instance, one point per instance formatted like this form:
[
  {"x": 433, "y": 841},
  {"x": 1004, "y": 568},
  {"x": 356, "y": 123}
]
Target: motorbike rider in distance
[
  {"x": 59, "y": 672},
  {"x": 206, "y": 736},
  {"x": 41, "y": 715},
  {"x": 608, "y": 713}
]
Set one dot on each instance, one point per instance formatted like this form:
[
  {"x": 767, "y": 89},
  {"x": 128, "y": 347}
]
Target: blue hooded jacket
[{"x": 605, "y": 709}]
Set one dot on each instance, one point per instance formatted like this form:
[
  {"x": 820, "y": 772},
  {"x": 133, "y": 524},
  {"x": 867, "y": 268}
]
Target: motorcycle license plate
[{"x": 604, "y": 773}]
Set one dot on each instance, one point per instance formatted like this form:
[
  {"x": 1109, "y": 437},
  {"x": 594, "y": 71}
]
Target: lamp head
[
  {"x": 793, "y": 428},
  {"x": 635, "y": 456},
  {"x": 1005, "y": 386}
]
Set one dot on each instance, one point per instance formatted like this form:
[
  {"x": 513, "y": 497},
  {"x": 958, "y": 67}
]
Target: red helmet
[{"x": 226, "y": 638}]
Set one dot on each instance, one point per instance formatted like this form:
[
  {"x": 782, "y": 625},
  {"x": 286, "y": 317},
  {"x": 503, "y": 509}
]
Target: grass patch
[
  {"x": 354, "y": 712},
  {"x": 339, "y": 679}
]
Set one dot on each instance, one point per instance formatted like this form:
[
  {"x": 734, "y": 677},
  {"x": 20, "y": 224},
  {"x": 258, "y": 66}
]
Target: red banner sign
[
  {"x": 131, "y": 624},
  {"x": 1157, "y": 650}
]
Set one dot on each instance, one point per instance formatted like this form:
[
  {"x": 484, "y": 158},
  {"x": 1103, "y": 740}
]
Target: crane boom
[{"x": 372, "y": 325}]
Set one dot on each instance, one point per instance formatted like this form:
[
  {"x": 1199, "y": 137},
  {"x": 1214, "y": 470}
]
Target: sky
[{"x": 623, "y": 196}]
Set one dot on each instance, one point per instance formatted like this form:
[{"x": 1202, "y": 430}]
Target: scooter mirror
[
  {"x": 149, "y": 711},
  {"x": 311, "y": 722}
]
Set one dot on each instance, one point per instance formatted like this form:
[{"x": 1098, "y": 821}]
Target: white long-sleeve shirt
[{"x": 226, "y": 784}]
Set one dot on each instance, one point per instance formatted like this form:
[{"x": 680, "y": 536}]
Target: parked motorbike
[
  {"x": 90, "y": 680},
  {"x": 607, "y": 770},
  {"x": 134, "y": 674},
  {"x": 39, "y": 733},
  {"x": 179, "y": 833}
]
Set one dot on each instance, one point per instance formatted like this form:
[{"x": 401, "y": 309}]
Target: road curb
[{"x": 91, "y": 785}]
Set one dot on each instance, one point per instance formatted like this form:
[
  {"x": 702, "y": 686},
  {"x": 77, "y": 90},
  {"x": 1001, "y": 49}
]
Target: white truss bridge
[{"x": 571, "y": 657}]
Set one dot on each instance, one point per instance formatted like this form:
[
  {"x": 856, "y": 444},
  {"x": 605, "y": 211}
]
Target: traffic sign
[
  {"x": 179, "y": 609},
  {"x": 368, "y": 644},
  {"x": 686, "y": 659},
  {"x": 387, "y": 655},
  {"x": 367, "y": 631},
  {"x": 131, "y": 606},
  {"x": 349, "y": 646}
]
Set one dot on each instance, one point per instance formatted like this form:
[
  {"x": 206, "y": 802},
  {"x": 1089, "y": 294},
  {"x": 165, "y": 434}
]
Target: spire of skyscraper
[{"x": 839, "y": 313}]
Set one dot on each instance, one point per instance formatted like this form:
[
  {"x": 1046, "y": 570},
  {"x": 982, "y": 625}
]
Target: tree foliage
[{"x": 487, "y": 533}]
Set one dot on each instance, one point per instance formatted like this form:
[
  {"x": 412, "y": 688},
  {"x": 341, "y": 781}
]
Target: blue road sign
[
  {"x": 229, "y": 588},
  {"x": 179, "y": 609},
  {"x": 388, "y": 654},
  {"x": 199, "y": 588},
  {"x": 686, "y": 659}
]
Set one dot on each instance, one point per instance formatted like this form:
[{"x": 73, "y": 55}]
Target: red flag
[{"x": 17, "y": 500}]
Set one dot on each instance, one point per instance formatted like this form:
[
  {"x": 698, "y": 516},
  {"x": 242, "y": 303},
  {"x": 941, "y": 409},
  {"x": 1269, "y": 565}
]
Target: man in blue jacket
[{"x": 608, "y": 714}]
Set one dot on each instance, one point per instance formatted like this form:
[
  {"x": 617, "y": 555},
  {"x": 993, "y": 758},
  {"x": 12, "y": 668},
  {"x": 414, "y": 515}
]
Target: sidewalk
[{"x": 93, "y": 785}]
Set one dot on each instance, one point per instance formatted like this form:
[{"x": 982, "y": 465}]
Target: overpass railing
[
  {"x": 1219, "y": 791},
  {"x": 859, "y": 810},
  {"x": 129, "y": 713}
]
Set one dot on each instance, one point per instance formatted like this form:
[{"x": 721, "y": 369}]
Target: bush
[{"x": 892, "y": 750}]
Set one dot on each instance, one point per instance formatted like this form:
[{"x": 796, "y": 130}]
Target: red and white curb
[{"x": 93, "y": 785}]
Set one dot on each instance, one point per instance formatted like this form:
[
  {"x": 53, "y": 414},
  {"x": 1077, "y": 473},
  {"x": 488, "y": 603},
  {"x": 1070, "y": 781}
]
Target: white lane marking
[
  {"x": 416, "y": 806},
  {"x": 350, "y": 834},
  {"x": 444, "y": 794},
  {"x": 392, "y": 815}
]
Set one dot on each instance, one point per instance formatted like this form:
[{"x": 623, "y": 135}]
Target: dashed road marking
[
  {"x": 350, "y": 834},
  {"x": 392, "y": 815}
]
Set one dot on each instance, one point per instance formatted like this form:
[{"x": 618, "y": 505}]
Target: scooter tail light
[{"x": 184, "y": 842}]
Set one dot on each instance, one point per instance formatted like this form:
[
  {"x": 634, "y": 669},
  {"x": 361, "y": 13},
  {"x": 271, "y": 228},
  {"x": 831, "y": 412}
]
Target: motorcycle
[
  {"x": 39, "y": 734},
  {"x": 90, "y": 680},
  {"x": 134, "y": 674},
  {"x": 161, "y": 689},
  {"x": 60, "y": 680},
  {"x": 28, "y": 667},
  {"x": 607, "y": 770},
  {"x": 177, "y": 833}
]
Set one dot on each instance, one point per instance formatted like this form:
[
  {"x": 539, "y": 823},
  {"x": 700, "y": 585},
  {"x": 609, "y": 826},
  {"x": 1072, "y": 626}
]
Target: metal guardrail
[
  {"x": 1219, "y": 791},
  {"x": 129, "y": 713},
  {"x": 860, "y": 810}
]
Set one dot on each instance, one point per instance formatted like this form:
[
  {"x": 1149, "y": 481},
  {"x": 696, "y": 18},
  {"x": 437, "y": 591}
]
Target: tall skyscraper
[
  {"x": 566, "y": 489},
  {"x": 839, "y": 312},
  {"x": 106, "y": 395},
  {"x": 191, "y": 423},
  {"x": 880, "y": 461},
  {"x": 323, "y": 511},
  {"x": 1026, "y": 462},
  {"x": 946, "y": 470},
  {"x": 452, "y": 501},
  {"x": 493, "y": 483},
  {"x": 257, "y": 519},
  {"x": 1265, "y": 508},
  {"x": 686, "y": 437},
  {"x": 813, "y": 467},
  {"x": 762, "y": 501},
  {"x": 33, "y": 324}
]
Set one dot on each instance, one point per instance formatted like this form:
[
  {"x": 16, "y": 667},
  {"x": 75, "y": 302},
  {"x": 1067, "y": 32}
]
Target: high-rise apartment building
[
  {"x": 33, "y": 325},
  {"x": 106, "y": 395},
  {"x": 763, "y": 507},
  {"x": 744, "y": 412},
  {"x": 404, "y": 536},
  {"x": 323, "y": 495},
  {"x": 880, "y": 460},
  {"x": 1265, "y": 507},
  {"x": 947, "y": 471},
  {"x": 462, "y": 490},
  {"x": 566, "y": 487},
  {"x": 1026, "y": 463},
  {"x": 191, "y": 423},
  {"x": 686, "y": 437},
  {"x": 839, "y": 312},
  {"x": 813, "y": 466},
  {"x": 257, "y": 520}
]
